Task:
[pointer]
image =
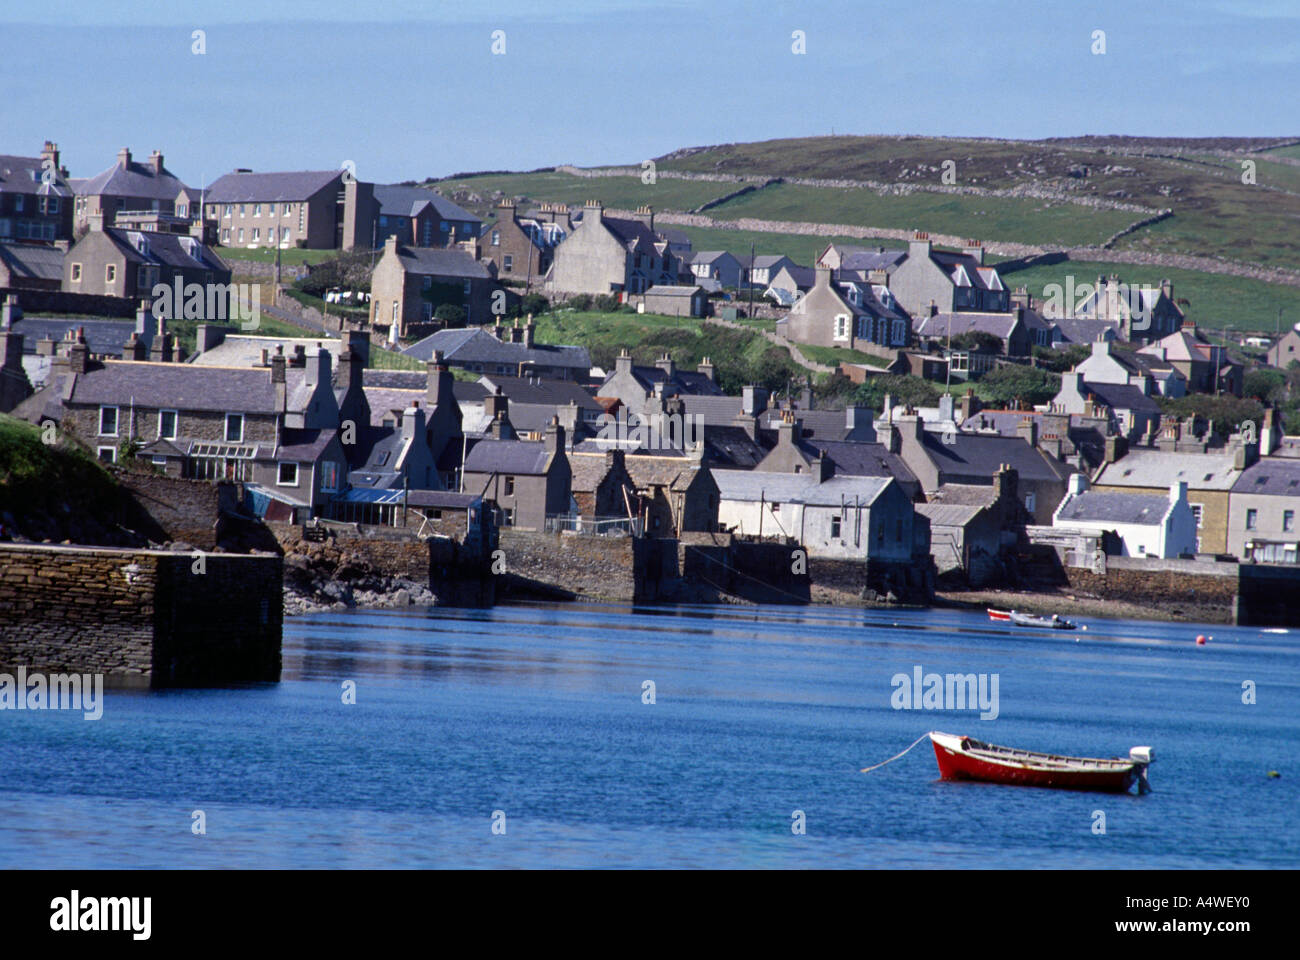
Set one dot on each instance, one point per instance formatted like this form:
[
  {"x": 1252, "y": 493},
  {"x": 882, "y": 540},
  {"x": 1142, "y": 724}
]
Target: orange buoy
[{"x": 1200, "y": 640}]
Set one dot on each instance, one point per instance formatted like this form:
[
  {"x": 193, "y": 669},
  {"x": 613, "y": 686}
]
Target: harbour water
[{"x": 535, "y": 720}]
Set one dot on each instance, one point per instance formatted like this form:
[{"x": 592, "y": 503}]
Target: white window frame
[
  {"x": 117, "y": 421},
  {"x": 176, "y": 424},
  {"x": 112, "y": 454},
  {"x": 226, "y": 432},
  {"x": 279, "y": 473}
]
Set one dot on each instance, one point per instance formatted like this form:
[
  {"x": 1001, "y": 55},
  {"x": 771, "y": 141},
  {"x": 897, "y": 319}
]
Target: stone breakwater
[{"x": 322, "y": 576}]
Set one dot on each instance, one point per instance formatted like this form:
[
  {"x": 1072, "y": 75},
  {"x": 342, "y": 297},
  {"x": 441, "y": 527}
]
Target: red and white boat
[
  {"x": 965, "y": 758},
  {"x": 1002, "y": 615}
]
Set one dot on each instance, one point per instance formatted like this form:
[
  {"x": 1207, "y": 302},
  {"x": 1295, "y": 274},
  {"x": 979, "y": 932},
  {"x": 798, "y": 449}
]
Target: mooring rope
[{"x": 896, "y": 756}]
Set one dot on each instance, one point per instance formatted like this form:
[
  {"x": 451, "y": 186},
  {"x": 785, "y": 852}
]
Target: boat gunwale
[{"x": 1029, "y": 759}]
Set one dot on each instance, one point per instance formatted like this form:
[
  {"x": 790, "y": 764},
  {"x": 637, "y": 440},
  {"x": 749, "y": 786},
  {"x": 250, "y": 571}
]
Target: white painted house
[
  {"x": 842, "y": 517},
  {"x": 1146, "y": 525}
]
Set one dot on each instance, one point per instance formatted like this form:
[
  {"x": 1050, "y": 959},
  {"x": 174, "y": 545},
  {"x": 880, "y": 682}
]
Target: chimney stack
[
  {"x": 156, "y": 162},
  {"x": 124, "y": 158}
]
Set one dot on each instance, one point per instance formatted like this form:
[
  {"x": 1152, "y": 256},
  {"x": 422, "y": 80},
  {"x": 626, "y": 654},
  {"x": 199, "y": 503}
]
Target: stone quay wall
[{"x": 140, "y": 617}]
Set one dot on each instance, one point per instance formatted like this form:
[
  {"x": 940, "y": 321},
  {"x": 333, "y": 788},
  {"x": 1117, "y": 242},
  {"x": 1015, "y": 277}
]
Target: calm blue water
[{"x": 537, "y": 712}]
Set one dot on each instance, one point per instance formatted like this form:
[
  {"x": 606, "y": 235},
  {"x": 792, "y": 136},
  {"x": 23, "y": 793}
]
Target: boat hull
[{"x": 956, "y": 763}]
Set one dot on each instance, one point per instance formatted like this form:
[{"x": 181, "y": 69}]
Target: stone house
[
  {"x": 1210, "y": 478},
  {"x": 675, "y": 301},
  {"x": 318, "y": 209},
  {"x": 528, "y": 481},
  {"x": 856, "y": 518},
  {"x": 410, "y": 283},
  {"x": 760, "y": 270},
  {"x": 1148, "y": 372},
  {"x": 420, "y": 218},
  {"x": 849, "y": 315},
  {"x": 950, "y": 280},
  {"x": 274, "y": 427},
  {"x": 1285, "y": 351},
  {"x": 677, "y": 493},
  {"x": 520, "y": 248},
  {"x": 109, "y": 261},
  {"x": 1262, "y": 510},
  {"x": 942, "y": 458},
  {"x": 1207, "y": 367},
  {"x": 36, "y": 198},
  {"x": 31, "y": 266},
  {"x": 606, "y": 255},
  {"x": 1142, "y": 524},
  {"x": 127, "y": 186},
  {"x": 601, "y": 487},
  {"x": 716, "y": 265},
  {"x": 1138, "y": 313},
  {"x": 1128, "y": 406},
  {"x": 641, "y": 389}
]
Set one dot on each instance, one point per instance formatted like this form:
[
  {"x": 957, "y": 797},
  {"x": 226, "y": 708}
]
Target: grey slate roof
[
  {"x": 32, "y": 261},
  {"x": 975, "y": 456},
  {"x": 103, "y": 337},
  {"x": 396, "y": 200},
  {"x": 474, "y": 345},
  {"x": 1271, "y": 477},
  {"x": 863, "y": 459},
  {"x": 182, "y": 386},
  {"x": 135, "y": 180},
  {"x": 861, "y": 258},
  {"x": 439, "y": 262},
  {"x": 23, "y": 175},
  {"x": 949, "y": 514},
  {"x": 536, "y": 390},
  {"x": 666, "y": 290},
  {"x": 1162, "y": 468},
  {"x": 1122, "y": 397},
  {"x": 1084, "y": 329},
  {"x": 395, "y": 379},
  {"x": 507, "y": 457},
  {"x": 1098, "y": 507},
  {"x": 957, "y": 323},
  {"x": 166, "y": 249},
  {"x": 751, "y": 486},
  {"x": 292, "y": 186}
]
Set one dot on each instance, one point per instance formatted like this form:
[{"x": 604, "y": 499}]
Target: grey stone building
[
  {"x": 36, "y": 197},
  {"x": 528, "y": 481},
  {"x": 410, "y": 283},
  {"x": 606, "y": 255},
  {"x": 129, "y": 187},
  {"x": 318, "y": 209}
]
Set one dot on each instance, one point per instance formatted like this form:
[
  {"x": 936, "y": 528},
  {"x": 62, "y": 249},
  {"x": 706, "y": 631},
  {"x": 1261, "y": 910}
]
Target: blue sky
[{"x": 308, "y": 84}]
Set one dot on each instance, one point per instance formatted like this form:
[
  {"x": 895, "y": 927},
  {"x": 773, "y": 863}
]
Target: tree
[
  {"x": 608, "y": 302},
  {"x": 535, "y": 304},
  {"x": 450, "y": 314},
  {"x": 1015, "y": 383},
  {"x": 1225, "y": 412},
  {"x": 977, "y": 341},
  {"x": 1059, "y": 361},
  {"x": 903, "y": 388}
]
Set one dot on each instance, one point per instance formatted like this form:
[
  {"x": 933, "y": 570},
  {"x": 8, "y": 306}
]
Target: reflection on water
[{"x": 537, "y": 711}]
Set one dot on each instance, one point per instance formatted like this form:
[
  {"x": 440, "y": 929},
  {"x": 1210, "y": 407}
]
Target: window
[
  {"x": 1196, "y": 512},
  {"x": 776, "y": 508},
  {"x": 229, "y": 209},
  {"x": 1251, "y": 517},
  {"x": 426, "y": 283},
  {"x": 1030, "y": 502},
  {"x": 467, "y": 288},
  {"x": 18, "y": 203},
  {"x": 284, "y": 234},
  {"x": 396, "y": 308},
  {"x": 329, "y": 476},
  {"x": 496, "y": 238},
  {"x": 257, "y": 209},
  {"x": 842, "y": 327},
  {"x": 509, "y": 488},
  {"x": 225, "y": 235},
  {"x": 142, "y": 278},
  {"x": 107, "y": 454},
  {"x": 76, "y": 273},
  {"x": 444, "y": 226},
  {"x": 835, "y": 528},
  {"x": 108, "y": 421},
  {"x": 241, "y": 234},
  {"x": 288, "y": 476},
  {"x": 1288, "y": 520},
  {"x": 257, "y": 233},
  {"x": 509, "y": 262},
  {"x": 110, "y": 273},
  {"x": 234, "y": 428},
  {"x": 509, "y": 517},
  {"x": 167, "y": 424}
]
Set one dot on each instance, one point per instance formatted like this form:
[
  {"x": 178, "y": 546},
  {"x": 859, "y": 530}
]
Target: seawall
[{"x": 141, "y": 617}]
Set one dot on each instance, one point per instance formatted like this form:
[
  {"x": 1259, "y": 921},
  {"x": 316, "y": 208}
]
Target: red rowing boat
[
  {"x": 1003, "y": 615},
  {"x": 965, "y": 758}
]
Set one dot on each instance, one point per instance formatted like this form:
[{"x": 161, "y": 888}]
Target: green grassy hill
[{"x": 1215, "y": 215}]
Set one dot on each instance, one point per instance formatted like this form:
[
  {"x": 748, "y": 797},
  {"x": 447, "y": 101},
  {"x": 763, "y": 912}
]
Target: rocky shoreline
[{"x": 319, "y": 578}]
